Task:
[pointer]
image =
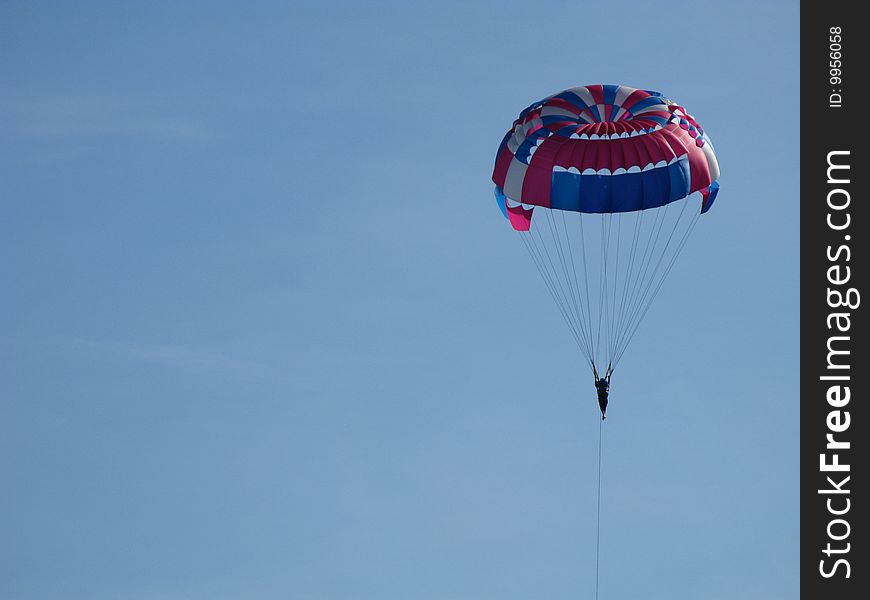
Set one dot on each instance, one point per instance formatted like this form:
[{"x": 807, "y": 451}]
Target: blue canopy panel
[
  {"x": 623, "y": 192},
  {"x": 501, "y": 201},
  {"x": 709, "y": 193}
]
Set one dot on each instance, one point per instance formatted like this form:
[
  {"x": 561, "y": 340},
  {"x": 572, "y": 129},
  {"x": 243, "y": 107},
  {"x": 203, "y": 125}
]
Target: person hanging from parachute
[
  {"x": 602, "y": 387},
  {"x": 609, "y": 158}
]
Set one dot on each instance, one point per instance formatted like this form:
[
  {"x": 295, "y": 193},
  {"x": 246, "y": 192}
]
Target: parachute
[{"x": 609, "y": 173}]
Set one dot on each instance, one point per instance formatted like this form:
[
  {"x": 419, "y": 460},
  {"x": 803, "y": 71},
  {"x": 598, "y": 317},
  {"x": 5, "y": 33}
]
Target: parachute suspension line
[
  {"x": 545, "y": 275},
  {"x": 637, "y": 261},
  {"x": 663, "y": 253},
  {"x": 667, "y": 271},
  {"x": 609, "y": 274},
  {"x": 654, "y": 284},
  {"x": 650, "y": 297},
  {"x": 557, "y": 288},
  {"x": 537, "y": 258},
  {"x": 598, "y": 515},
  {"x": 629, "y": 278},
  {"x": 600, "y": 279},
  {"x": 643, "y": 266},
  {"x": 611, "y": 340},
  {"x": 638, "y": 226},
  {"x": 604, "y": 307},
  {"x": 576, "y": 280},
  {"x": 637, "y": 298},
  {"x": 570, "y": 282},
  {"x": 559, "y": 250},
  {"x": 602, "y": 283},
  {"x": 586, "y": 280},
  {"x": 605, "y": 245}
]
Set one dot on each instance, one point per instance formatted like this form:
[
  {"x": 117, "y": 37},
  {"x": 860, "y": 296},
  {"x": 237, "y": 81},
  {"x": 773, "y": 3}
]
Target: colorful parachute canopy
[
  {"x": 605, "y": 149},
  {"x": 626, "y": 157}
]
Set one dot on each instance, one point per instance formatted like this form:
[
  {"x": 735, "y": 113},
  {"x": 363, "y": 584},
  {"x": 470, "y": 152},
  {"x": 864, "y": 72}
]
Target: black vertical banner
[{"x": 835, "y": 365}]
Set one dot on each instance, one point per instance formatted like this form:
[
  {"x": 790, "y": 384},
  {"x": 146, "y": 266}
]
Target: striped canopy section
[{"x": 603, "y": 149}]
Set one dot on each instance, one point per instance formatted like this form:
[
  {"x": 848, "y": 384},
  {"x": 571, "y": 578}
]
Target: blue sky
[{"x": 263, "y": 334}]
